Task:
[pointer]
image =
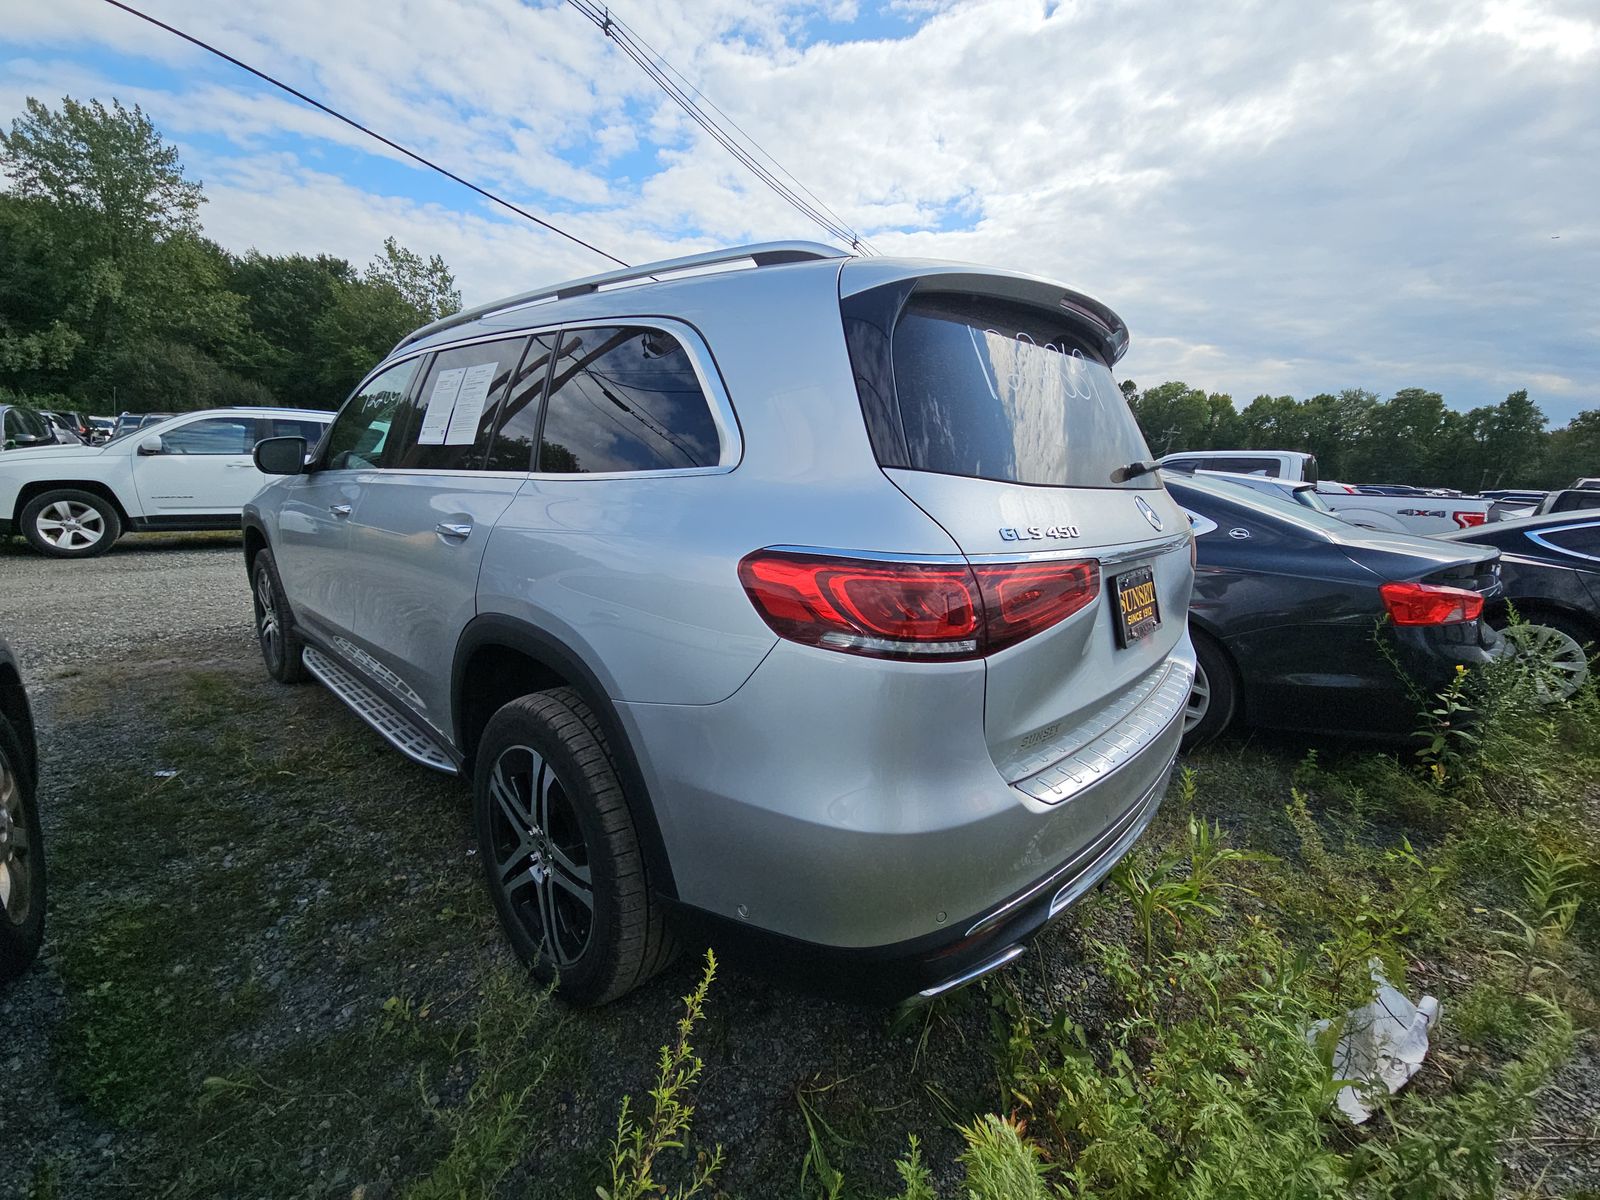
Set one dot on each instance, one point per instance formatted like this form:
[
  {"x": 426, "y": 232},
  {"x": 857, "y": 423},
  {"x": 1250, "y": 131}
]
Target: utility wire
[
  {"x": 411, "y": 154},
  {"x": 657, "y": 67},
  {"x": 755, "y": 145}
]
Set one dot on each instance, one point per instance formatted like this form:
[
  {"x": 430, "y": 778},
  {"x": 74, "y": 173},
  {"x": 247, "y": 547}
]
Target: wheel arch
[
  {"x": 1530, "y": 606},
  {"x": 15, "y": 709},
  {"x": 1200, "y": 628},
  {"x": 98, "y": 487},
  {"x": 499, "y": 658}
]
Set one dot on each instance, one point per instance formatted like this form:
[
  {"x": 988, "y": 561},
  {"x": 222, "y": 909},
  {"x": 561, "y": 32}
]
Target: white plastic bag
[{"x": 1382, "y": 1043}]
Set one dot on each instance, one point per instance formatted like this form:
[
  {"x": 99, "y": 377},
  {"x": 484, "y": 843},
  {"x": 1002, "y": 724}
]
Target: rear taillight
[
  {"x": 1466, "y": 520},
  {"x": 1430, "y": 604},
  {"x": 912, "y": 610}
]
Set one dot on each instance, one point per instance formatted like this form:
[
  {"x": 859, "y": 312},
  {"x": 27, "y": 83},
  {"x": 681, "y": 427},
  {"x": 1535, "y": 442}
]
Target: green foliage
[
  {"x": 113, "y": 297},
  {"x": 636, "y": 1147}
]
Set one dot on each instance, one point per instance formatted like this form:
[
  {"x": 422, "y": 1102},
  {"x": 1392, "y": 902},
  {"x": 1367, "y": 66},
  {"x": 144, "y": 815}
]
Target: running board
[{"x": 372, "y": 707}]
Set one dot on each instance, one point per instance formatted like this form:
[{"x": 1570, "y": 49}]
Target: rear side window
[
  {"x": 1581, "y": 540},
  {"x": 291, "y": 427},
  {"x": 519, "y": 413},
  {"x": 360, "y": 432},
  {"x": 450, "y": 418},
  {"x": 624, "y": 398},
  {"x": 1245, "y": 466},
  {"x": 995, "y": 390}
]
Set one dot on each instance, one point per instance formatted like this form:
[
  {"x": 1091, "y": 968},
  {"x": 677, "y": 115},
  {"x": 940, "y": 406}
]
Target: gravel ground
[
  {"x": 173, "y": 612},
  {"x": 148, "y": 588}
]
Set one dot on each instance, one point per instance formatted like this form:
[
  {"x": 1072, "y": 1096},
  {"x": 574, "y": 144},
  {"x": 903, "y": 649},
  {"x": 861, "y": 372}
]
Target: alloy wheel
[
  {"x": 70, "y": 524},
  {"x": 16, "y": 854},
  {"x": 1199, "y": 700},
  {"x": 541, "y": 861},
  {"x": 1559, "y": 663},
  {"x": 267, "y": 625}
]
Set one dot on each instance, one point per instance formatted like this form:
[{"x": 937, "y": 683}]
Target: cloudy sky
[{"x": 1278, "y": 196}]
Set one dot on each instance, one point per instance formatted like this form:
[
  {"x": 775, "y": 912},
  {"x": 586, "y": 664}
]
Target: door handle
[
  {"x": 249, "y": 466},
  {"x": 339, "y": 510},
  {"x": 448, "y": 529}
]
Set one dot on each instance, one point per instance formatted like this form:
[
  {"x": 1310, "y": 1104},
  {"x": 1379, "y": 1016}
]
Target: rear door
[
  {"x": 423, "y": 517},
  {"x": 1001, "y": 420}
]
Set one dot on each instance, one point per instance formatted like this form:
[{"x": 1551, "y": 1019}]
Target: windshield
[{"x": 992, "y": 389}]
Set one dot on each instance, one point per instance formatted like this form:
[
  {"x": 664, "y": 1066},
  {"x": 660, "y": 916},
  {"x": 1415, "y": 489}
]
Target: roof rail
[{"x": 764, "y": 254}]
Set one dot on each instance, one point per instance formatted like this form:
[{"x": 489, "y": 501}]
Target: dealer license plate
[{"x": 1138, "y": 614}]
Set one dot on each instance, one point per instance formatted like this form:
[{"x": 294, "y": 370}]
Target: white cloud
[{"x": 1277, "y": 197}]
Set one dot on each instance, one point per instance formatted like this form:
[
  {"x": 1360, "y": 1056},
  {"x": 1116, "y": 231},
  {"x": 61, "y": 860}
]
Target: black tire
[
  {"x": 548, "y": 810},
  {"x": 1217, "y": 684},
  {"x": 21, "y": 861},
  {"x": 281, "y": 646},
  {"x": 59, "y": 521}
]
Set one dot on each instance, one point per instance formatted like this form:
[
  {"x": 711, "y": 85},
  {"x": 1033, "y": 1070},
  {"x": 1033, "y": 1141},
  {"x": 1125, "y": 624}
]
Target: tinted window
[
  {"x": 1001, "y": 391},
  {"x": 450, "y": 417},
  {"x": 1579, "y": 539},
  {"x": 1244, "y": 466},
  {"x": 25, "y": 425},
  {"x": 519, "y": 414},
  {"x": 361, "y": 430},
  {"x": 215, "y": 435},
  {"x": 625, "y": 399},
  {"x": 1575, "y": 500},
  {"x": 292, "y": 427},
  {"x": 1181, "y": 464}
]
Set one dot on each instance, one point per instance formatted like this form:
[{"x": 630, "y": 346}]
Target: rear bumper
[
  {"x": 923, "y": 968},
  {"x": 874, "y": 826}
]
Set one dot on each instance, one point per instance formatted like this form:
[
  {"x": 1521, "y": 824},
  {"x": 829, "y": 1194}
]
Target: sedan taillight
[
  {"x": 912, "y": 610},
  {"x": 1430, "y": 604}
]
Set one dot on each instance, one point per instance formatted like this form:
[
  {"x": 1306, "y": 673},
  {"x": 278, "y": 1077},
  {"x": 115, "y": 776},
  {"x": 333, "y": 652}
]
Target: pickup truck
[
  {"x": 1421, "y": 514},
  {"x": 191, "y": 471}
]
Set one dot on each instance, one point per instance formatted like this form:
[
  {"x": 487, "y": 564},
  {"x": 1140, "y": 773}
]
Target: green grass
[{"x": 282, "y": 978}]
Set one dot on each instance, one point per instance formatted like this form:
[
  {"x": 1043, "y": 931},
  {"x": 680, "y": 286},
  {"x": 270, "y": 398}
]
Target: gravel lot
[
  {"x": 146, "y": 589},
  {"x": 270, "y": 954}
]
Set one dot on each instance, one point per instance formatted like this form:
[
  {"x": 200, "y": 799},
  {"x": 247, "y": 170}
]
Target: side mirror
[
  {"x": 151, "y": 444},
  {"x": 280, "y": 455}
]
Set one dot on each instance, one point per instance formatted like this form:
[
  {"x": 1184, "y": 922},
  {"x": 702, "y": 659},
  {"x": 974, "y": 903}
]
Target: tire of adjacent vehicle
[
  {"x": 280, "y": 649},
  {"x": 1214, "y": 673},
  {"x": 629, "y": 940},
  {"x": 22, "y": 922},
  {"x": 1574, "y": 649},
  {"x": 75, "y": 500}
]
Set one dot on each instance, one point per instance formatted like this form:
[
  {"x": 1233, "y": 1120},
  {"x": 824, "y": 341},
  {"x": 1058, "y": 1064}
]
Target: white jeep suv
[{"x": 192, "y": 471}]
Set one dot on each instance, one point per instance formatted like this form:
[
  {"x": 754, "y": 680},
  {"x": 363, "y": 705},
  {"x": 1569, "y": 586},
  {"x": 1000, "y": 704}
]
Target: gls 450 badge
[{"x": 1038, "y": 533}]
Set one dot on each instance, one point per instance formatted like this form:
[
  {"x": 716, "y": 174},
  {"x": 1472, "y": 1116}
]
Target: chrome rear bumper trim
[
  {"x": 971, "y": 973},
  {"x": 1117, "y": 735}
]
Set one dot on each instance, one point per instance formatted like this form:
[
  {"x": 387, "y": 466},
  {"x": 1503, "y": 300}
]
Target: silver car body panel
[{"x": 841, "y": 800}]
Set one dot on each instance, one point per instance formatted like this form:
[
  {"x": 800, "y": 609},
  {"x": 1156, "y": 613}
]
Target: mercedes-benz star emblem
[{"x": 1150, "y": 514}]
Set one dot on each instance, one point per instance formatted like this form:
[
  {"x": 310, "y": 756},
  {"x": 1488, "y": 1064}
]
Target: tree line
[
  {"x": 112, "y": 299},
  {"x": 1411, "y": 437}
]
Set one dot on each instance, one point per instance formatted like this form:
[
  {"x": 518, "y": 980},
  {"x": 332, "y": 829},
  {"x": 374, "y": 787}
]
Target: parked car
[
  {"x": 22, "y": 885},
  {"x": 127, "y": 423},
  {"x": 1279, "y": 464},
  {"x": 1569, "y": 500},
  {"x": 1307, "y": 495},
  {"x": 26, "y": 428},
  {"x": 100, "y": 429},
  {"x": 66, "y": 429},
  {"x": 1588, "y": 481},
  {"x": 1429, "y": 514},
  {"x": 188, "y": 472},
  {"x": 881, "y": 673},
  {"x": 1287, "y": 607},
  {"x": 1550, "y": 566}
]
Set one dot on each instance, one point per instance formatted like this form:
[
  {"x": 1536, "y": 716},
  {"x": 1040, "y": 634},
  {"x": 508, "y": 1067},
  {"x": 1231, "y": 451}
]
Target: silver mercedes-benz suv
[{"x": 818, "y": 602}]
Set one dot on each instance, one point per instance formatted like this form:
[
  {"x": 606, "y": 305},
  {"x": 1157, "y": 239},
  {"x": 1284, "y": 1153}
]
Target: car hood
[{"x": 54, "y": 453}]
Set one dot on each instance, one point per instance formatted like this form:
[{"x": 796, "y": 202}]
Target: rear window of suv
[{"x": 991, "y": 389}]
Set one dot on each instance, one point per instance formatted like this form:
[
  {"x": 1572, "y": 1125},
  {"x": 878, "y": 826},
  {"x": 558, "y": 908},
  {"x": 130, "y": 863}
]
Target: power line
[
  {"x": 411, "y": 154},
  {"x": 656, "y": 67},
  {"x": 712, "y": 104}
]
